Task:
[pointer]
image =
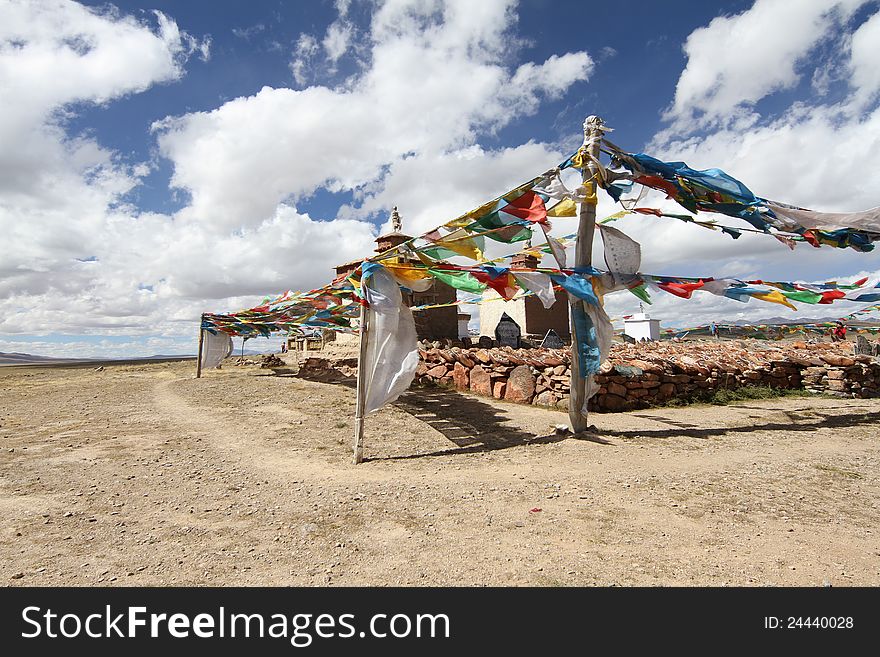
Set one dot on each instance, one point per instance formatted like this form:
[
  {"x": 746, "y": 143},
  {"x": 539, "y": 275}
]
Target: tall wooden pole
[
  {"x": 593, "y": 132},
  {"x": 201, "y": 345},
  {"x": 361, "y": 387}
]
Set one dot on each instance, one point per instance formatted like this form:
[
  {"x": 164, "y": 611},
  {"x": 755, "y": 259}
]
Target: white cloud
[
  {"x": 864, "y": 55},
  {"x": 437, "y": 77},
  {"x": 337, "y": 39},
  {"x": 60, "y": 191},
  {"x": 432, "y": 188},
  {"x": 304, "y": 53},
  {"x": 735, "y": 61},
  {"x": 87, "y": 262}
]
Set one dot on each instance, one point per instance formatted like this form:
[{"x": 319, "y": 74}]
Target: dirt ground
[{"x": 141, "y": 474}]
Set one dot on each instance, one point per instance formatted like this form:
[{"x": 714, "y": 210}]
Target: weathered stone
[
  {"x": 628, "y": 370},
  {"x": 837, "y": 360},
  {"x": 483, "y": 356},
  {"x": 666, "y": 390},
  {"x": 546, "y": 398},
  {"x": 612, "y": 402},
  {"x": 498, "y": 389},
  {"x": 616, "y": 389},
  {"x": 460, "y": 376},
  {"x": 520, "y": 385},
  {"x": 437, "y": 371},
  {"x": 480, "y": 381}
]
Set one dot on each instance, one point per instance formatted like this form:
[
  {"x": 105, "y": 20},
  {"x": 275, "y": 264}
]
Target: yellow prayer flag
[
  {"x": 565, "y": 208},
  {"x": 466, "y": 247},
  {"x": 415, "y": 278},
  {"x": 774, "y": 296}
]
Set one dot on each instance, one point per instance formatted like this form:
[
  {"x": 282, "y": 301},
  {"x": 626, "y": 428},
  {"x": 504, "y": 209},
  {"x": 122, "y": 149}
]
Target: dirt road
[{"x": 142, "y": 475}]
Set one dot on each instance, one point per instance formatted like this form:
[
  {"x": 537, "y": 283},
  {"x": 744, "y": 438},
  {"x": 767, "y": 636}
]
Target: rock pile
[{"x": 269, "y": 361}]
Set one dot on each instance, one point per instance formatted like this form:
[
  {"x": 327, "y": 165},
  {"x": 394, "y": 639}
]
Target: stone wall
[
  {"x": 645, "y": 375},
  {"x": 640, "y": 375}
]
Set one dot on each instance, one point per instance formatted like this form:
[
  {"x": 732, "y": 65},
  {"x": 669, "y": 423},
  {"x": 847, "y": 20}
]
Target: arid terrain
[{"x": 140, "y": 474}]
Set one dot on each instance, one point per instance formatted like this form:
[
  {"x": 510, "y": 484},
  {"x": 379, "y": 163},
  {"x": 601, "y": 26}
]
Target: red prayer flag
[
  {"x": 831, "y": 295},
  {"x": 683, "y": 290},
  {"x": 530, "y": 206}
]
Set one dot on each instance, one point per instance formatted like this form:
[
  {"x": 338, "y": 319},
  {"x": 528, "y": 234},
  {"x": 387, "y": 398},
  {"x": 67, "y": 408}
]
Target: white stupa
[{"x": 641, "y": 327}]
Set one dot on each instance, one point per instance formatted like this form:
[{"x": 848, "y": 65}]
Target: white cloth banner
[
  {"x": 392, "y": 344},
  {"x": 215, "y": 347},
  {"x": 553, "y": 187},
  {"x": 538, "y": 283},
  {"x": 623, "y": 255},
  {"x": 556, "y": 247},
  {"x": 868, "y": 220}
]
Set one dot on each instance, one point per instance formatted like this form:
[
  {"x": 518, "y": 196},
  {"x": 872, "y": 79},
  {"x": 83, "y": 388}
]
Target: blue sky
[{"x": 167, "y": 158}]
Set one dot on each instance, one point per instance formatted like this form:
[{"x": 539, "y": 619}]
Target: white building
[{"x": 641, "y": 327}]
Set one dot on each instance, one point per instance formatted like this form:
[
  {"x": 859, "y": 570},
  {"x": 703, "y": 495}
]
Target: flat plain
[{"x": 141, "y": 474}]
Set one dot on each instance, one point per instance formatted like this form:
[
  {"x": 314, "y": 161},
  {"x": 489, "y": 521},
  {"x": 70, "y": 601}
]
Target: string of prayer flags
[{"x": 713, "y": 190}]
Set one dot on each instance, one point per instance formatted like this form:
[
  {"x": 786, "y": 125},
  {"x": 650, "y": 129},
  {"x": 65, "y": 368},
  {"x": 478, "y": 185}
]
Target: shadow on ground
[
  {"x": 823, "y": 421},
  {"x": 470, "y": 424},
  {"x": 475, "y": 426}
]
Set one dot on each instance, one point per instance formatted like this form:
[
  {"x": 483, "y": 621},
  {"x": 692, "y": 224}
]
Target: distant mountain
[
  {"x": 31, "y": 359},
  {"x": 16, "y": 358},
  {"x": 778, "y": 321}
]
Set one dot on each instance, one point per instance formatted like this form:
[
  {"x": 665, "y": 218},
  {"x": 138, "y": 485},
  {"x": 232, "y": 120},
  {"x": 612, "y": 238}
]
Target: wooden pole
[
  {"x": 593, "y": 132},
  {"x": 361, "y": 388},
  {"x": 201, "y": 345}
]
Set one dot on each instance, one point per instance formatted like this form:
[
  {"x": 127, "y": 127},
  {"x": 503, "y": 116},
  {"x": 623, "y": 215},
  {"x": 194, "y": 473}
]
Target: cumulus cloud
[
  {"x": 58, "y": 190},
  {"x": 735, "y": 61},
  {"x": 864, "y": 49},
  {"x": 88, "y": 262},
  {"x": 437, "y": 77}
]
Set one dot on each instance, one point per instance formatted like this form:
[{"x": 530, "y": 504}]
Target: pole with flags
[{"x": 594, "y": 129}]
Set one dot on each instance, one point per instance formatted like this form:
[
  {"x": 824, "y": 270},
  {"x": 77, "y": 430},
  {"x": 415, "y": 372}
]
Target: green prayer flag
[
  {"x": 510, "y": 234},
  {"x": 641, "y": 292},
  {"x": 438, "y": 252},
  {"x": 804, "y": 296},
  {"x": 460, "y": 280}
]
